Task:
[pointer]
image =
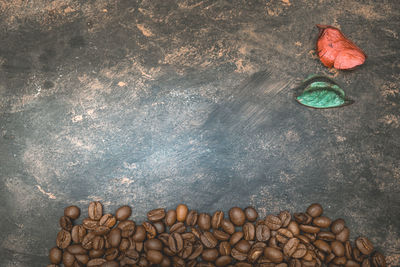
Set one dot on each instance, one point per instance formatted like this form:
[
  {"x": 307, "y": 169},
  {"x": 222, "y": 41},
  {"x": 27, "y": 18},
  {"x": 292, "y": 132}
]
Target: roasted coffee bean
[
  {"x": 175, "y": 242},
  {"x": 351, "y": 263},
  {"x": 101, "y": 230},
  {"x": 156, "y": 215},
  {"x": 187, "y": 249},
  {"x": 237, "y": 255},
  {"x": 78, "y": 232},
  {"x": 181, "y": 212},
  {"x": 314, "y": 210},
  {"x": 357, "y": 255},
  {"x": 295, "y": 263},
  {"x": 340, "y": 260},
  {"x": 68, "y": 259},
  {"x": 242, "y": 264},
  {"x": 273, "y": 254},
  {"x": 343, "y": 236},
  {"x": 63, "y": 239},
  {"x": 114, "y": 237},
  {"x": 323, "y": 246},
  {"x": 111, "y": 254},
  {"x": 95, "y": 210},
  {"x": 188, "y": 236},
  {"x": 337, "y": 248},
  {"x": 235, "y": 238},
  {"x": 140, "y": 234},
  {"x": 304, "y": 239},
  {"x": 108, "y": 220},
  {"x": 337, "y": 226},
  {"x": 283, "y": 235},
  {"x": 90, "y": 224},
  {"x": 228, "y": 226},
  {"x": 154, "y": 256},
  {"x": 255, "y": 253},
  {"x": 72, "y": 212},
  {"x": 273, "y": 222},
  {"x": 96, "y": 262},
  {"x": 150, "y": 230},
  {"x": 139, "y": 246},
  {"x": 300, "y": 251},
  {"x": 123, "y": 213},
  {"x": 309, "y": 256},
  {"x": 309, "y": 229},
  {"x": 96, "y": 253},
  {"x": 76, "y": 249},
  {"x": 55, "y": 255},
  {"x": 98, "y": 242},
  {"x": 221, "y": 235},
  {"x": 329, "y": 258},
  {"x": 131, "y": 256},
  {"x": 204, "y": 221},
  {"x": 170, "y": 217},
  {"x": 216, "y": 219},
  {"x": 224, "y": 248},
  {"x": 237, "y": 216},
  {"x": 322, "y": 222},
  {"x": 326, "y": 236},
  {"x": 127, "y": 228},
  {"x": 294, "y": 228},
  {"x": 243, "y": 246},
  {"x": 196, "y": 232},
  {"x": 249, "y": 231},
  {"x": 160, "y": 227},
  {"x": 82, "y": 258},
  {"x": 378, "y": 260},
  {"x": 110, "y": 264},
  {"x": 364, "y": 245},
  {"x": 66, "y": 223},
  {"x": 210, "y": 254},
  {"x": 262, "y": 233},
  {"x": 87, "y": 242},
  {"x": 208, "y": 240},
  {"x": 192, "y": 218},
  {"x": 285, "y": 218},
  {"x": 302, "y": 218},
  {"x": 348, "y": 250},
  {"x": 291, "y": 246},
  {"x": 273, "y": 242},
  {"x": 124, "y": 245},
  {"x": 223, "y": 261},
  {"x": 197, "y": 250},
  {"x": 178, "y": 227}
]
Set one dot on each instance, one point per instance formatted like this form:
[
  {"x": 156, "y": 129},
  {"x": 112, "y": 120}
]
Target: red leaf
[{"x": 335, "y": 50}]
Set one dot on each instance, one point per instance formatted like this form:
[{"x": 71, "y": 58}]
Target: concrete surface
[{"x": 153, "y": 103}]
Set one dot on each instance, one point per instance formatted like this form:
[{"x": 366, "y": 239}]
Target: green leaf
[{"x": 321, "y": 92}]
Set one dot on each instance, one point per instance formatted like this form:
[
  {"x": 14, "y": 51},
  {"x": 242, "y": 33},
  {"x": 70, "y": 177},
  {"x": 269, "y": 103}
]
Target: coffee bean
[
  {"x": 150, "y": 230},
  {"x": 197, "y": 250},
  {"x": 309, "y": 229},
  {"x": 166, "y": 262},
  {"x": 154, "y": 256},
  {"x": 237, "y": 216},
  {"x": 98, "y": 242},
  {"x": 63, "y": 239},
  {"x": 187, "y": 249},
  {"x": 237, "y": 255},
  {"x": 131, "y": 257},
  {"x": 72, "y": 212},
  {"x": 204, "y": 221},
  {"x": 196, "y": 232},
  {"x": 273, "y": 242},
  {"x": 285, "y": 218},
  {"x": 251, "y": 214},
  {"x": 366, "y": 263},
  {"x": 300, "y": 251},
  {"x": 210, "y": 254},
  {"x": 208, "y": 240},
  {"x": 223, "y": 261},
  {"x": 351, "y": 263},
  {"x": 87, "y": 242},
  {"x": 160, "y": 227},
  {"x": 304, "y": 239},
  {"x": 294, "y": 228},
  {"x": 273, "y": 222},
  {"x": 181, "y": 212},
  {"x": 95, "y": 210},
  {"x": 273, "y": 254},
  {"x": 55, "y": 255},
  {"x": 108, "y": 220},
  {"x": 314, "y": 210},
  {"x": 178, "y": 227},
  {"x": 175, "y": 242},
  {"x": 323, "y": 246},
  {"x": 343, "y": 236},
  {"x": 76, "y": 249},
  {"x": 327, "y": 236},
  {"x": 249, "y": 231},
  {"x": 227, "y": 226},
  {"x": 357, "y": 255},
  {"x": 302, "y": 218},
  {"x": 329, "y": 258},
  {"x": 101, "y": 230},
  {"x": 221, "y": 235},
  {"x": 339, "y": 260},
  {"x": 378, "y": 260},
  {"x": 156, "y": 215},
  {"x": 77, "y": 233},
  {"x": 125, "y": 244},
  {"x": 66, "y": 223},
  {"x": 295, "y": 263},
  {"x": 262, "y": 233},
  {"x": 216, "y": 219},
  {"x": 322, "y": 222},
  {"x": 140, "y": 234},
  {"x": 68, "y": 259},
  {"x": 96, "y": 253},
  {"x": 96, "y": 262},
  {"x": 90, "y": 224},
  {"x": 235, "y": 237},
  {"x": 170, "y": 217},
  {"x": 110, "y": 264},
  {"x": 114, "y": 237},
  {"x": 224, "y": 248},
  {"x": 111, "y": 254},
  {"x": 337, "y": 248},
  {"x": 243, "y": 246},
  {"x": 191, "y": 218},
  {"x": 255, "y": 253},
  {"x": 283, "y": 235},
  {"x": 127, "y": 228},
  {"x": 82, "y": 258},
  {"x": 337, "y": 226},
  {"x": 123, "y": 213},
  {"x": 364, "y": 245},
  {"x": 291, "y": 246}
]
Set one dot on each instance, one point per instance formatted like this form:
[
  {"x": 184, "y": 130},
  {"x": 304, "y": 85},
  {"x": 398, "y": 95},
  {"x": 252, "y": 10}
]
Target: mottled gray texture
[{"x": 153, "y": 103}]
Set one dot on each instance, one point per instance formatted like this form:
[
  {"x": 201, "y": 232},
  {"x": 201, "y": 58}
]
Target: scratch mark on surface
[{"x": 48, "y": 194}]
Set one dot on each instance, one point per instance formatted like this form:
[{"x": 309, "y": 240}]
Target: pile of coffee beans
[{"x": 183, "y": 237}]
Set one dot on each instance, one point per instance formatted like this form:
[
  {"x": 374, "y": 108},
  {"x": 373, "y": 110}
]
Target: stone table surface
[{"x": 154, "y": 103}]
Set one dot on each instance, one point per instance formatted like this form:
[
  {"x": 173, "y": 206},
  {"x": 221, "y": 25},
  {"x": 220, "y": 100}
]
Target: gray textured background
[{"x": 153, "y": 103}]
